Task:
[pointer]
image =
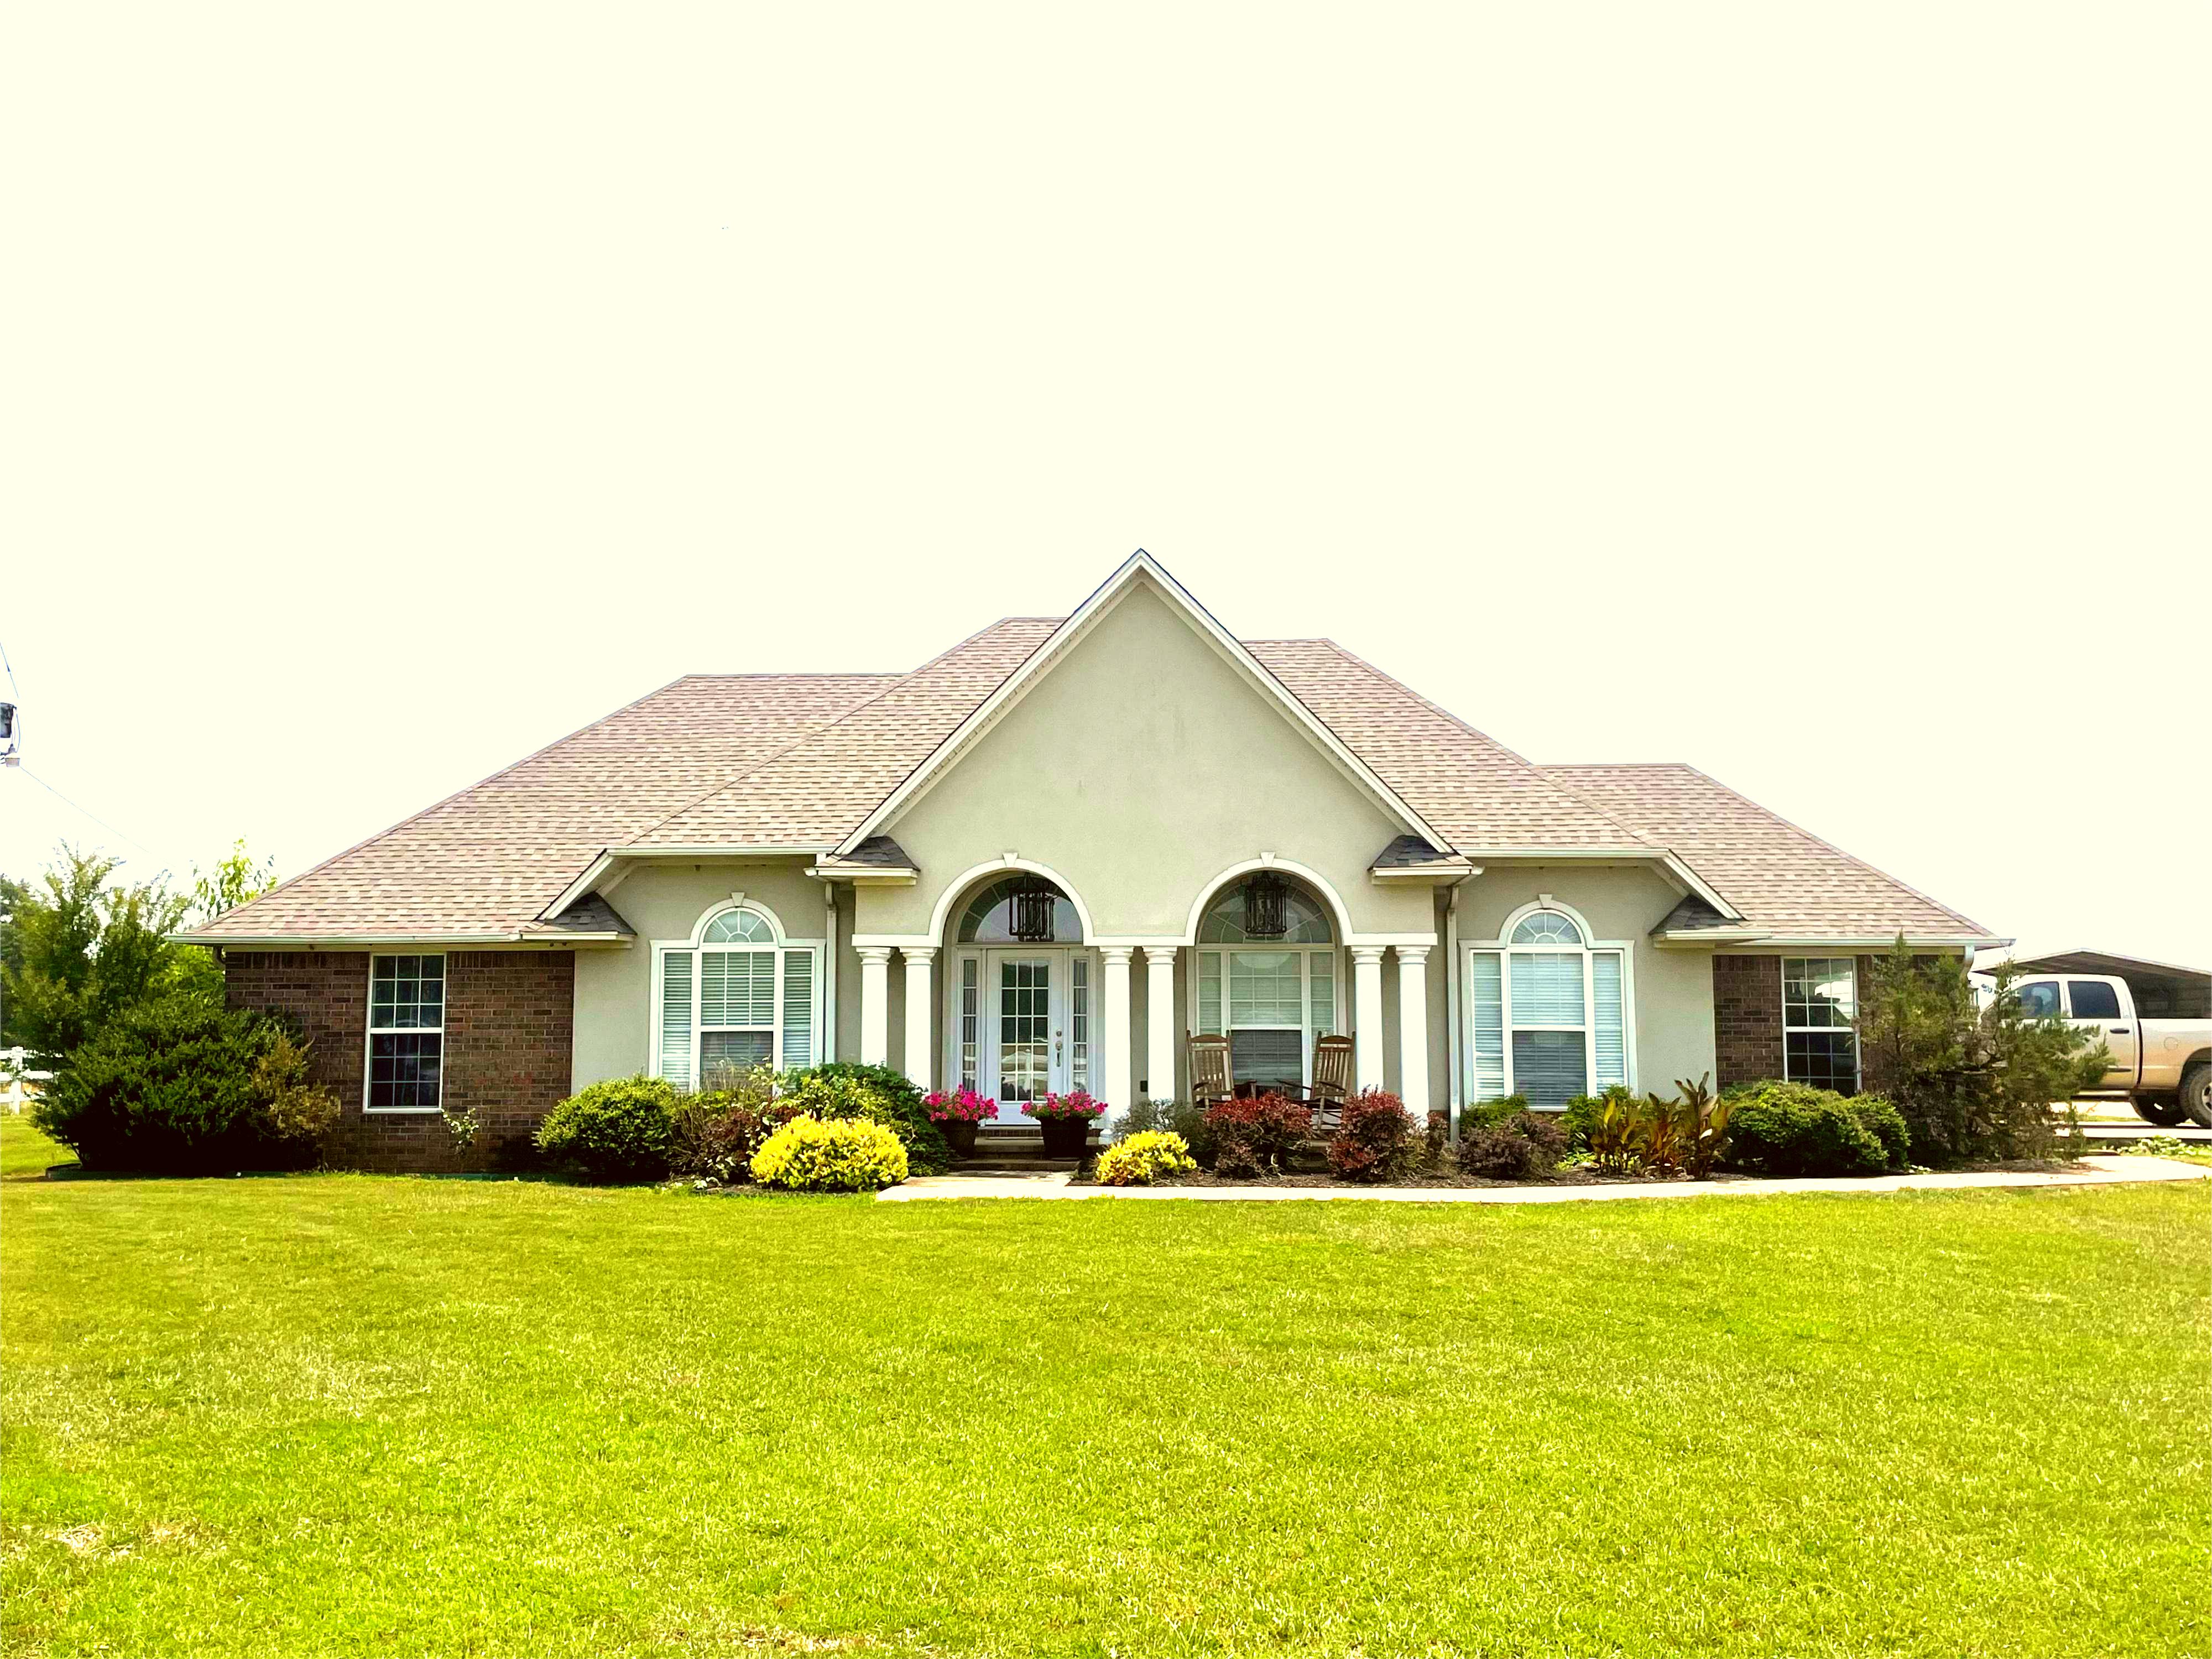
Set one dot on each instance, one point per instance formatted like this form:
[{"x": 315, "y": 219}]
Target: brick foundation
[
  {"x": 1747, "y": 1018},
  {"x": 509, "y": 1021}
]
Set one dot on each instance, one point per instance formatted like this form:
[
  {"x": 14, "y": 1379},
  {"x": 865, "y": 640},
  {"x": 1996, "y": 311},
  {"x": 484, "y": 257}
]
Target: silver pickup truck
[{"x": 2163, "y": 1067}]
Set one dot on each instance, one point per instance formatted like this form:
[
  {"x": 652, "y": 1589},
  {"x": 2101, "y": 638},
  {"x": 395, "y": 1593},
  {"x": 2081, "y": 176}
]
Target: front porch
[{"x": 1016, "y": 993}]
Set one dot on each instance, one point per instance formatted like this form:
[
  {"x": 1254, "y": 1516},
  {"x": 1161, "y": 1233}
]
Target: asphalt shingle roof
[
  {"x": 1785, "y": 879},
  {"x": 742, "y": 761}
]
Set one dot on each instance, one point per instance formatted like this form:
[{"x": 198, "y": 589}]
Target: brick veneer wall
[
  {"x": 509, "y": 1025},
  {"x": 1747, "y": 1018}
]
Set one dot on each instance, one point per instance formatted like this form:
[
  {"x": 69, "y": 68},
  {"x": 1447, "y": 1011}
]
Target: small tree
[
  {"x": 1970, "y": 1082},
  {"x": 83, "y": 948}
]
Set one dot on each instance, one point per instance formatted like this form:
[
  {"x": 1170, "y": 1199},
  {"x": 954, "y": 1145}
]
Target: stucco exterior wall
[
  {"x": 1140, "y": 767},
  {"x": 614, "y": 988}
]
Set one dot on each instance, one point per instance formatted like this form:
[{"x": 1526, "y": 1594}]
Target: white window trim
[
  {"x": 780, "y": 943},
  {"x": 1305, "y": 1029},
  {"x": 375, "y": 1031},
  {"x": 1858, "y": 1064},
  {"x": 1504, "y": 949}
]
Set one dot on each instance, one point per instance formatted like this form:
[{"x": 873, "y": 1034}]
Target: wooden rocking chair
[
  {"x": 1332, "y": 1080},
  {"x": 1210, "y": 1083}
]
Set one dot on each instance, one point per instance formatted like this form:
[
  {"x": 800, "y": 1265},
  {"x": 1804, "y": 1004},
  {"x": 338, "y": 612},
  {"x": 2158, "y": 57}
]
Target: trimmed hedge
[
  {"x": 839, "y": 1155},
  {"x": 1778, "y": 1128},
  {"x": 183, "y": 1085},
  {"x": 618, "y": 1130},
  {"x": 1139, "y": 1160},
  {"x": 879, "y": 1094}
]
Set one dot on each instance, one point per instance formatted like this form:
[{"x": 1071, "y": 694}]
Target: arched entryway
[
  {"x": 1021, "y": 993},
  {"x": 1266, "y": 972}
]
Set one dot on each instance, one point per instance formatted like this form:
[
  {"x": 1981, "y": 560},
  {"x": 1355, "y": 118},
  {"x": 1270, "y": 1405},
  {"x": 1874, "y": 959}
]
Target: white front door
[{"x": 1026, "y": 1047}]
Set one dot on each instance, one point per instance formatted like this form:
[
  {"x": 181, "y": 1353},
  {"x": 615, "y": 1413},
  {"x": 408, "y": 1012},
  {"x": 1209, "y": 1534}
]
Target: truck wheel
[
  {"x": 2197, "y": 1093},
  {"x": 2167, "y": 1114}
]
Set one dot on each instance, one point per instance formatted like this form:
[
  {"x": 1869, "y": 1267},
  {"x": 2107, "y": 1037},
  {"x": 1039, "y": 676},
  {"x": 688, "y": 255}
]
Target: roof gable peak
[{"x": 1141, "y": 569}]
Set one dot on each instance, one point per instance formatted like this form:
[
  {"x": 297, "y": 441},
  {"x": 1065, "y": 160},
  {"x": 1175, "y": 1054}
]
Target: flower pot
[
  {"x": 1065, "y": 1137},
  {"x": 960, "y": 1136}
]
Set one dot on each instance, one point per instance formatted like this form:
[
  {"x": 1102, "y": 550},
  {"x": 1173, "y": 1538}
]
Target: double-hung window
[
  {"x": 406, "y": 1033},
  {"x": 1820, "y": 1000},
  {"x": 735, "y": 997},
  {"x": 1547, "y": 1012}
]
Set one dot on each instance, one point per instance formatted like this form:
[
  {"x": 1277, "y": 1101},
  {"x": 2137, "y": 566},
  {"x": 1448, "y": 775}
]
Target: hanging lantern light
[
  {"x": 1032, "y": 904},
  {"x": 1265, "y": 906}
]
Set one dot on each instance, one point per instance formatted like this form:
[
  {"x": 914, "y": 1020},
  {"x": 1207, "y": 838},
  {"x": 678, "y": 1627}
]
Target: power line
[
  {"x": 12, "y": 686},
  {"x": 88, "y": 811}
]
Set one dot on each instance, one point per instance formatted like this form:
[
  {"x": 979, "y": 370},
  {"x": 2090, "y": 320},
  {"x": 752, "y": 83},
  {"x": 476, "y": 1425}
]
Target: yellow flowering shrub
[
  {"x": 837, "y": 1155},
  {"x": 1144, "y": 1159}
]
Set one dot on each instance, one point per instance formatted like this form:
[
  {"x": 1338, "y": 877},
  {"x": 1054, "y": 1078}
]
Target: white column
[
  {"x": 1414, "y": 1031},
  {"x": 875, "y": 1004},
  {"x": 1114, "y": 1030},
  {"x": 1367, "y": 1015},
  {"x": 1160, "y": 1020},
  {"x": 920, "y": 1006}
]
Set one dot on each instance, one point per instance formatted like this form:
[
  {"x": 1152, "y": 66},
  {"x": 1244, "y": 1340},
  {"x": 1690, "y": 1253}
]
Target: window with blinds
[
  {"x": 738, "y": 998},
  {"x": 1271, "y": 1003},
  {"x": 1547, "y": 1014}
]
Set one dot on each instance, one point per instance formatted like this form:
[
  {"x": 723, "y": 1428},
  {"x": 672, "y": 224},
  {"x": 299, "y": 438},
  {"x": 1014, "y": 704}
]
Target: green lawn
[{"x": 355, "y": 1414}]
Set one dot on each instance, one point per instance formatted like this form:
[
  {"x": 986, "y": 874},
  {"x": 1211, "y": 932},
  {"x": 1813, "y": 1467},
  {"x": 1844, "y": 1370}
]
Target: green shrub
[
  {"x": 1880, "y": 1116},
  {"x": 1374, "y": 1138},
  {"x": 184, "y": 1085},
  {"x": 1176, "y": 1117},
  {"x": 1515, "y": 1148},
  {"x": 1489, "y": 1114},
  {"x": 842, "y": 1155},
  {"x": 618, "y": 1130},
  {"x": 1139, "y": 1160},
  {"x": 1780, "y": 1128},
  {"x": 878, "y": 1095},
  {"x": 1257, "y": 1136}
]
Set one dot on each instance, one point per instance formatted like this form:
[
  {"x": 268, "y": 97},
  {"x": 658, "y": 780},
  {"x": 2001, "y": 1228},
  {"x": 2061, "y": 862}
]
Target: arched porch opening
[
  {"x": 1022, "y": 990},
  {"x": 1267, "y": 971}
]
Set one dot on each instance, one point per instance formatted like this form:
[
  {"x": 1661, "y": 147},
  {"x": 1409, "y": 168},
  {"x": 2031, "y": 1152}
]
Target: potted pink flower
[
  {"x": 957, "y": 1114},
  {"x": 1064, "y": 1121}
]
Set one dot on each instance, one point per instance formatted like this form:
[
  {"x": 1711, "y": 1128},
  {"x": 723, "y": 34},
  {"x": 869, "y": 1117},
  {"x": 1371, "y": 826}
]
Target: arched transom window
[
  {"x": 734, "y": 996},
  {"x": 989, "y": 918},
  {"x": 1548, "y": 1011},
  {"x": 1272, "y": 994}
]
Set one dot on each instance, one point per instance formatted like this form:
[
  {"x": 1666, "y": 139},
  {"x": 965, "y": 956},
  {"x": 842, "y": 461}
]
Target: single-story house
[{"x": 1038, "y": 862}]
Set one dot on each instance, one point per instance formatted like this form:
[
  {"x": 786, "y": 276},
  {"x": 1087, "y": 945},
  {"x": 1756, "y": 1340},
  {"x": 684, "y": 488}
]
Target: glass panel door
[{"x": 1027, "y": 1044}]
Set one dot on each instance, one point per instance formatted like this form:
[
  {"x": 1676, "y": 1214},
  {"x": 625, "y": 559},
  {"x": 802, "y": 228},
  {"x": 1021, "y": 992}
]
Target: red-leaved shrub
[
  {"x": 1374, "y": 1140},
  {"x": 1256, "y": 1137}
]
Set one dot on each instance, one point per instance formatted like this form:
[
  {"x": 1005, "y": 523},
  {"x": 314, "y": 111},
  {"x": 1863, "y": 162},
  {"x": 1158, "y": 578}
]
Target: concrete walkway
[{"x": 2093, "y": 1172}]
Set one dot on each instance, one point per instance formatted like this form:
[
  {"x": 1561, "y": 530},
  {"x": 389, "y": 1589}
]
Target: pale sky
[{"x": 1818, "y": 398}]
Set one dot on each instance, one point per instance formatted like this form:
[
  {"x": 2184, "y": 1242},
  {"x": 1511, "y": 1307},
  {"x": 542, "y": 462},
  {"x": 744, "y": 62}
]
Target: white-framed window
[
  {"x": 1819, "y": 1001},
  {"x": 1549, "y": 1010},
  {"x": 735, "y": 995},
  {"x": 1272, "y": 997},
  {"x": 406, "y": 1033}
]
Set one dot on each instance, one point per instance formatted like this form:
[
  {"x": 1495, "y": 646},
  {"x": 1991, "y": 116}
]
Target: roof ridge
[
  {"x": 828, "y": 727},
  {"x": 1801, "y": 831},
  {"x": 435, "y": 805},
  {"x": 1634, "y": 835}
]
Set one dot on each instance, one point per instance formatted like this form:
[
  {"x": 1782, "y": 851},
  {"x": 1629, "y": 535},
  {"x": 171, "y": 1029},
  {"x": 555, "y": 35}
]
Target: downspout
[
  {"x": 1451, "y": 1000},
  {"x": 830, "y": 974}
]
